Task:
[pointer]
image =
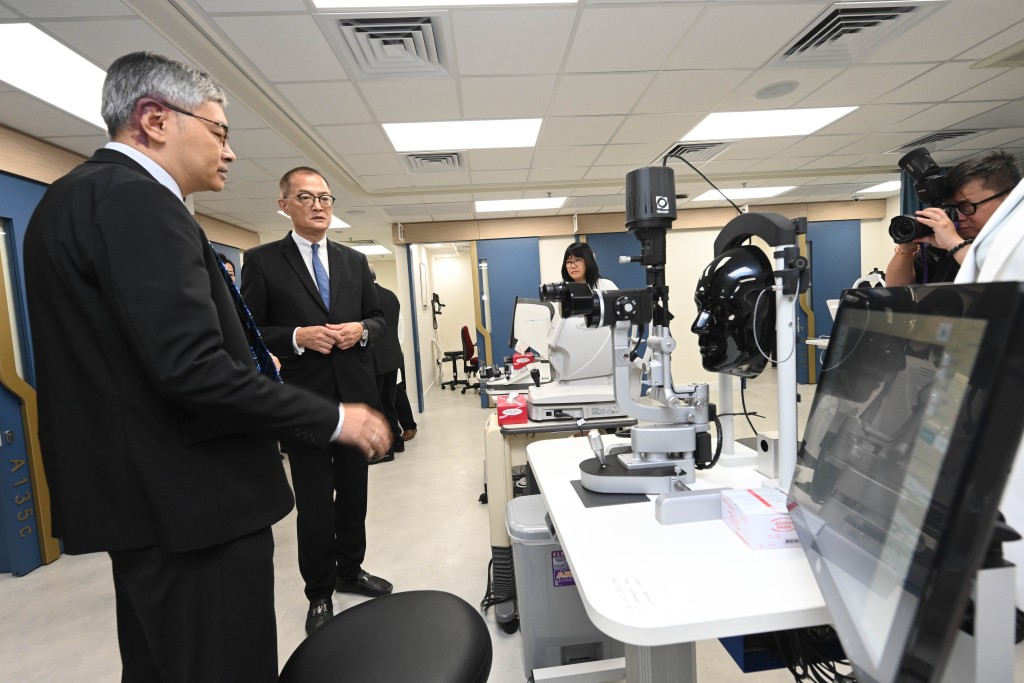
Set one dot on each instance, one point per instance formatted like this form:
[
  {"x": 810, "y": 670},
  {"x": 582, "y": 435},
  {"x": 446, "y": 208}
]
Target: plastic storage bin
[{"x": 552, "y": 620}]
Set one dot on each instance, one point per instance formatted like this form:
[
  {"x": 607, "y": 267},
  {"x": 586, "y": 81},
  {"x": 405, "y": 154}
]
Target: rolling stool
[
  {"x": 411, "y": 637},
  {"x": 454, "y": 357}
]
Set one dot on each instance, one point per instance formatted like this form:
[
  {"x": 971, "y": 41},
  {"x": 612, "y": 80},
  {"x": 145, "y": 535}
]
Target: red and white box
[
  {"x": 521, "y": 360},
  {"x": 760, "y": 517},
  {"x": 511, "y": 409}
]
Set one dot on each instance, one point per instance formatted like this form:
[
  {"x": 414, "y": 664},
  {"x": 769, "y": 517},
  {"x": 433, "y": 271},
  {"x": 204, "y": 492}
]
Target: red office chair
[{"x": 470, "y": 361}]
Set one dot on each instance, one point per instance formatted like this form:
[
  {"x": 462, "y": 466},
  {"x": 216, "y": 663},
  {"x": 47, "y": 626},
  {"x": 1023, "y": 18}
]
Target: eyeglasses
[
  {"x": 969, "y": 208},
  {"x": 307, "y": 199},
  {"x": 223, "y": 138},
  {"x": 574, "y": 261}
]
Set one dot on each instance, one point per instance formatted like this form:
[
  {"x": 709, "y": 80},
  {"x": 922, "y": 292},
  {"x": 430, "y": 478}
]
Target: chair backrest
[{"x": 467, "y": 344}]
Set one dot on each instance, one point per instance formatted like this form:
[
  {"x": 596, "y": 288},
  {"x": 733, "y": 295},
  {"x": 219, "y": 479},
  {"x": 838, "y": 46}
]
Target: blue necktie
[
  {"x": 260, "y": 352},
  {"x": 323, "y": 283}
]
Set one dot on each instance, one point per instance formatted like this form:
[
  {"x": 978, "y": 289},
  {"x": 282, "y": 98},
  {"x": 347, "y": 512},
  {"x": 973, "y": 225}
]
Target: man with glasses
[
  {"x": 157, "y": 428},
  {"x": 317, "y": 308},
  {"x": 977, "y": 188}
]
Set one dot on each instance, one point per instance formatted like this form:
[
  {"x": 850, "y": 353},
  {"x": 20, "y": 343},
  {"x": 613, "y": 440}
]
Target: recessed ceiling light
[
  {"x": 891, "y": 186},
  {"x": 336, "y": 223},
  {"x": 370, "y": 249},
  {"x": 740, "y": 125},
  {"x": 391, "y": 4},
  {"x": 776, "y": 90},
  {"x": 741, "y": 193},
  {"x": 35, "y": 63},
  {"x": 437, "y": 136},
  {"x": 485, "y": 206}
]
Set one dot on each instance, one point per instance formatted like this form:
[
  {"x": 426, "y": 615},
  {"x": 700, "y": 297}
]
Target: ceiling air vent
[
  {"x": 847, "y": 31},
  {"x": 696, "y": 151},
  {"x": 392, "y": 46},
  {"x": 438, "y": 162},
  {"x": 938, "y": 139}
]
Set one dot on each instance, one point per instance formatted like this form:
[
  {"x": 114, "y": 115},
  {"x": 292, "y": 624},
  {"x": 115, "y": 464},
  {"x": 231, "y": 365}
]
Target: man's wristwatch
[{"x": 365, "y": 335}]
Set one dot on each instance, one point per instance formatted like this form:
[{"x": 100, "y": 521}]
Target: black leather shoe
[
  {"x": 397, "y": 445},
  {"x": 365, "y": 584},
  {"x": 387, "y": 457},
  {"x": 320, "y": 612}
]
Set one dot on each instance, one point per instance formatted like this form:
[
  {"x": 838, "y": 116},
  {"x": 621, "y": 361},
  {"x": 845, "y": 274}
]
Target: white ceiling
[{"x": 616, "y": 82}]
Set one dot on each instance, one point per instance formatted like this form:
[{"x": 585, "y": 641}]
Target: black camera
[
  {"x": 903, "y": 229},
  {"x": 930, "y": 186},
  {"x": 929, "y": 182},
  {"x": 600, "y": 309}
]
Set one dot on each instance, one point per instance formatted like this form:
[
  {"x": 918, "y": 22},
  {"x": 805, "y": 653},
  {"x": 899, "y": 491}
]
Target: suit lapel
[
  {"x": 336, "y": 260},
  {"x": 294, "y": 259}
]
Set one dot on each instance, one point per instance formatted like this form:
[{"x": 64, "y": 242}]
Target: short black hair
[
  {"x": 998, "y": 171},
  {"x": 285, "y": 184},
  {"x": 582, "y": 250}
]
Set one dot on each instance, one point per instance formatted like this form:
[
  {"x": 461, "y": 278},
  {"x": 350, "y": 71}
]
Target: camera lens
[{"x": 903, "y": 229}]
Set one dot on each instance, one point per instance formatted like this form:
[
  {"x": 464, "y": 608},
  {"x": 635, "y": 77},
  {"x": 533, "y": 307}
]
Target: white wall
[
  {"x": 875, "y": 244},
  {"x": 453, "y": 281},
  {"x": 550, "y": 251}
]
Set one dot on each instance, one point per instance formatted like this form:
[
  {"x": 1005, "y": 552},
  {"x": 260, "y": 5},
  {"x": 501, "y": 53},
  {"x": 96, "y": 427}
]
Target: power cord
[
  {"x": 809, "y": 655},
  {"x": 490, "y": 599}
]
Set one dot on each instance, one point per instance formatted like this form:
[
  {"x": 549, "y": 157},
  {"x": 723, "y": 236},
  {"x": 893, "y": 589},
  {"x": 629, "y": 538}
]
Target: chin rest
[{"x": 411, "y": 637}]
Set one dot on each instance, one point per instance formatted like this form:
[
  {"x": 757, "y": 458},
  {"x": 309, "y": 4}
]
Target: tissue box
[
  {"x": 511, "y": 409},
  {"x": 521, "y": 360},
  {"x": 760, "y": 517}
]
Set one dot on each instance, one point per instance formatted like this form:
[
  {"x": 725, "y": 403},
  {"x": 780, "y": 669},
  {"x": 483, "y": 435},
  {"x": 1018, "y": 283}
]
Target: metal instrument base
[{"x": 614, "y": 478}]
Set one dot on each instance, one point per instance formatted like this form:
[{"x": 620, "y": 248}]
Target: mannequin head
[{"x": 726, "y": 295}]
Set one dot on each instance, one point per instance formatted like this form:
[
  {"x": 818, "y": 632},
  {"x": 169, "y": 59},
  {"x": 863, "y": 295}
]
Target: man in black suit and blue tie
[
  {"x": 159, "y": 435},
  {"x": 316, "y": 307}
]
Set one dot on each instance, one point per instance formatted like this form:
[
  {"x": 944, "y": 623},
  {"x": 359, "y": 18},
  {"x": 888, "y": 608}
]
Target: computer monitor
[{"x": 908, "y": 445}]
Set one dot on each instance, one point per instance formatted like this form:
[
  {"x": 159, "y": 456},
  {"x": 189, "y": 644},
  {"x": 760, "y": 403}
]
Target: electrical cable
[
  {"x": 490, "y": 599},
  {"x": 718, "y": 446},
  {"x": 743, "y": 402},
  {"x": 664, "y": 162},
  {"x": 753, "y": 327}
]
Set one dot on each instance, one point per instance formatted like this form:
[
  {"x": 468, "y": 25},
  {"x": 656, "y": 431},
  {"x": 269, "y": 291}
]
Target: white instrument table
[{"x": 659, "y": 588}]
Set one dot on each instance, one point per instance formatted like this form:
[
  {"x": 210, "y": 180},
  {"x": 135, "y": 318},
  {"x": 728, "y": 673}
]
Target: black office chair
[{"x": 410, "y": 637}]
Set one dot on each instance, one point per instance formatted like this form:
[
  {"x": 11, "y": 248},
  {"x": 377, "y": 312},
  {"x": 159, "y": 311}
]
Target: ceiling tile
[
  {"x": 511, "y": 41},
  {"x": 120, "y": 37},
  {"x": 666, "y": 128},
  {"x": 497, "y": 159},
  {"x": 23, "y": 113},
  {"x": 945, "y": 81},
  {"x": 577, "y": 130},
  {"x": 251, "y": 6},
  {"x": 587, "y": 94},
  {"x": 260, "y": 144},
  {"x": 285, "y": 47},
  {"x": 558, "y": 157},
  {"x": 636, "y": 155},
  {"x": 694, "y": 91},
  {"x": 862, "y": 84},
  {"x": 506, "y": 97},
  {"x": 744, "y": 35},
  {"x": 59, "y": 9},
  {"x": 556, "y": 175},
  {"x": 940, "y": 116},
  {"x": 601, "y": 27},
  {"x": 374, "y": 164},
  {"x": 400, "y": 101},
  {"x": 326, "y": 103},
  {"x": 356, "y": 139}
]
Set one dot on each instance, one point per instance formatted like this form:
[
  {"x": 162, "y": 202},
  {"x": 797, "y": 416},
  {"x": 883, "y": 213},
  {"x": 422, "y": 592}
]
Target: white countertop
[{"x": 650, "y": 584}]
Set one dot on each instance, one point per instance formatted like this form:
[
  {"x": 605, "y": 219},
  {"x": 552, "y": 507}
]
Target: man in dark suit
[
  {"x": 158, "y": 433},
  {"x": 318, "y": 311},
  {"x": 387, "y": 353}
]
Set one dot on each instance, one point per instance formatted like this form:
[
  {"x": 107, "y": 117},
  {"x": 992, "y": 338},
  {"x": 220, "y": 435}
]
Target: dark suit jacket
[
  {"x": 155, "y": 427},
  {"x": 282, "y": 295},
  {"x": 388, "y": 350}
]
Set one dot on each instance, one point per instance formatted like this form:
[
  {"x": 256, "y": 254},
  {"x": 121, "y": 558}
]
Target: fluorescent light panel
[
  {"x": 442, "y": 136},
  {"x": 35, "y": 63},
  {"x": 370, "y": 249},
  {"x": 486, "y": 206},
  {"x": 891, "y": 186},
  {"x": 740, "y": 125},
  {"x": 742, "y": 193},
  {"x": 336, "y": 223},
  {"x": 391, "y": 4}
]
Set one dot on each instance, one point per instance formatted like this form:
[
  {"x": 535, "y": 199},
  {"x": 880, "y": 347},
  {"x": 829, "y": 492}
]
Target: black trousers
[
  {"x": 205, "y": 616},
  {"x": 405, "y": 416},
  {"x": 330, "y": 499},
  {"x": 388, "y": 389}
]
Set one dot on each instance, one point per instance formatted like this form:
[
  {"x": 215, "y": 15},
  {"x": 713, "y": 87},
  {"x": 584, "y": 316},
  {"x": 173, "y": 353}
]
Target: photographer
[{"x": 975, "y": 189}]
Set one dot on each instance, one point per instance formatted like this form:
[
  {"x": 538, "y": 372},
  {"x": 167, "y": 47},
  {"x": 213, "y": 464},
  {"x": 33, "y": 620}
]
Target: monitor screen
[{"x": 910, "y": 439}]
